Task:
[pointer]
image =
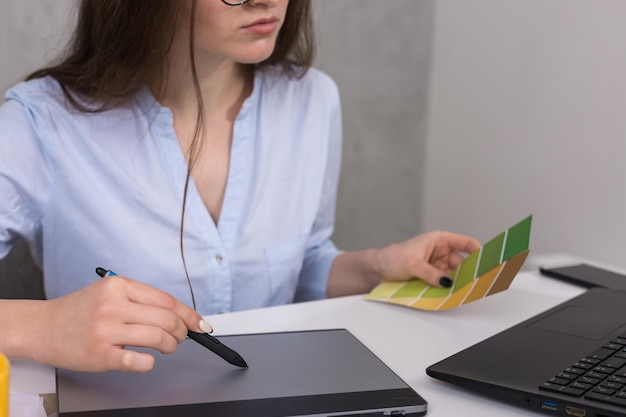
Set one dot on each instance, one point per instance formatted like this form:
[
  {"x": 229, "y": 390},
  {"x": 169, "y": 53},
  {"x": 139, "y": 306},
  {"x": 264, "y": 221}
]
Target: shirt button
[{"x": 219, "y": 258}]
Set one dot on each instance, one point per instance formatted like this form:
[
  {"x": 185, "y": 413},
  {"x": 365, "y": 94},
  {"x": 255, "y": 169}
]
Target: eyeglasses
[{"x": 235, "y": 2}]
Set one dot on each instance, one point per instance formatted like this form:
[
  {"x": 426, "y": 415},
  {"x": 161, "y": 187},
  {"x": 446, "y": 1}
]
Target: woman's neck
[{"x": 222, "y": 85}]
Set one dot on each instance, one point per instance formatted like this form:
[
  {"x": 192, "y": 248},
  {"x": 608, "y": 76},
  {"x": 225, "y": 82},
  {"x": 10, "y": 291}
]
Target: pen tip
[
  {"x": 241, "y": 362},
  {"x": 101, "y": 271}
]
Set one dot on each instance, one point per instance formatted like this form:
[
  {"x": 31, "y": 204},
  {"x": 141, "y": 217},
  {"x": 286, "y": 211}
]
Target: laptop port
[
  {"x": 574, "y": 411},
  {"x": 550, "y": 405}
]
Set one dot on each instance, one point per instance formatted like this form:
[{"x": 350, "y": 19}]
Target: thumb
[{"x": 129, "y": 360}]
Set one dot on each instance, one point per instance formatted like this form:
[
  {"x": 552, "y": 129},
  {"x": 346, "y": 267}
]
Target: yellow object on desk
[{"x": 5, "y": 369}]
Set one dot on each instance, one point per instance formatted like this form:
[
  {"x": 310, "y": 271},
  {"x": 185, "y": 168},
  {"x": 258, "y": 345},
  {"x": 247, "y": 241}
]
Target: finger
[
  {"x": 157, "y": 317},
  {"x": 432, "y": 275},
  {"x": 454, "y": 259},
  {"x": 128, "y": 360},
  {"x": 138, "y": 335},
  {"x": 145, "y": 294},
  {"x": 447, "y": 262},
  {"x": 462, "y": 243}
]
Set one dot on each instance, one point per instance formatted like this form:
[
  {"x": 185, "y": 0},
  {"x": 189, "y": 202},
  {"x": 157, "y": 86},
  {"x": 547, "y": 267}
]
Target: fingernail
[
  {"x": 445, "y": 282},
  {"x": 205, "y": 327}
]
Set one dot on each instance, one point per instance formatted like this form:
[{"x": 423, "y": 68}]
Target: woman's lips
[{"x": 262, "y": 26}]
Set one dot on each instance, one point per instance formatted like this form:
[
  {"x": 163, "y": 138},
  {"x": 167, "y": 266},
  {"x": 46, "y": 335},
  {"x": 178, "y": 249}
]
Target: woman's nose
[{"x": 265, "y": 3}]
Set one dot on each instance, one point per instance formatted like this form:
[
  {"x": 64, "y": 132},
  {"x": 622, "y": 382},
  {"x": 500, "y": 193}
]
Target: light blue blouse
[{"x": 106, "y": 189}]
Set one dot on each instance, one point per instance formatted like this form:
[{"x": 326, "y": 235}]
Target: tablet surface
[{"x": 308, "y": 373}]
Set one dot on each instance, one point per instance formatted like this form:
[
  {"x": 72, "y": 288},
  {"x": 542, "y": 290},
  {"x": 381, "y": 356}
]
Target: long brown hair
[{"x": 120, "y": 46}]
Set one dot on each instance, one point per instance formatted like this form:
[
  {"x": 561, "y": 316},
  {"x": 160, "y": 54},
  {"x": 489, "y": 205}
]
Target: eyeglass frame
[{"x": 239, "y": 3}]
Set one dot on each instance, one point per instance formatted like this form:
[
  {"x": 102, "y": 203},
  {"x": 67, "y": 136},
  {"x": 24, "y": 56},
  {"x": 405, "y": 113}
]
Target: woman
[{"x": 188, "y": 146}]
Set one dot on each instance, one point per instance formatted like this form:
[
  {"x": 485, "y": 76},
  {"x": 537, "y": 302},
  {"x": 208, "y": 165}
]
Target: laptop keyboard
[{"x": 599, "y": 376}]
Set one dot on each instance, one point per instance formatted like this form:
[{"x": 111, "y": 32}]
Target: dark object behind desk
[
  {"x": 587, "y": 276},
  {"x": 20, "y": 277}
]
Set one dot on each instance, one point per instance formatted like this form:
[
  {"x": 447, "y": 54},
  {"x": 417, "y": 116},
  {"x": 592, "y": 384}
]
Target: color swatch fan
[{"x": 487, "y": 271}]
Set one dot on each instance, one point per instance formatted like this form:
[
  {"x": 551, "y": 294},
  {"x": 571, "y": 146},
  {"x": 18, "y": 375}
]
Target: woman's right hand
[{"x": 90, "y": 329}]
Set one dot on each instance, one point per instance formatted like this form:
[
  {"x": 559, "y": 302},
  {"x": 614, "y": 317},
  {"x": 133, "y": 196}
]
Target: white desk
[{"x": 406, "y": 340}]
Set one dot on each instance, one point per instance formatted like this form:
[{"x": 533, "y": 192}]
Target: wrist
[
  {"x": 373, "y": 267},
  {"x": 16, "y": 329}
]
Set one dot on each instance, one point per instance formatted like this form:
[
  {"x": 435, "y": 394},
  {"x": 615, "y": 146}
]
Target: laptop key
[
  {"x": 613, "y": 346},
  {"x": 588, "y": 380},
  {"x": 604, "y": 369},
  {"x": 601, "y": 354},
  {"x": 615, "y": 363},
  {"x": 618, "y": 379},
  {"x": 574, "y": 392},
  {"x": 604, "y": 390},
  {"x": 559, "y": 381},
  {"x": 597, "y": 375},
  {"x": 581, "y": 385},
  {"x": 606, "y": 399},
  {"x": 576, "y": 371},
  {"x": 612, "y": 385}
]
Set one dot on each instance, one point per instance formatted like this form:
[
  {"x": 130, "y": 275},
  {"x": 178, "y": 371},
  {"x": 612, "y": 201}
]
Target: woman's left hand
[{"x": 429, "y": 256}]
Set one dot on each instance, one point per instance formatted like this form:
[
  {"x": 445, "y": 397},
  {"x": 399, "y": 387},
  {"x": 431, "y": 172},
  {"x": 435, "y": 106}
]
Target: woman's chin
[{"x": 255, "y": 55}]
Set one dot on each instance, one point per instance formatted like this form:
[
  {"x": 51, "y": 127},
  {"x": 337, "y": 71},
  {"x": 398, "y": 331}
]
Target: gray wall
[
  {"x": 528, "y": 116},
  {"x": 378, "y": 52},
  {"x": 31, "y": 33}
]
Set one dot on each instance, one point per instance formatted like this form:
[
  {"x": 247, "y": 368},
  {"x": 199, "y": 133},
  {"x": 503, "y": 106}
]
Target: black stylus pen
[{"x": 205, "y": 339}]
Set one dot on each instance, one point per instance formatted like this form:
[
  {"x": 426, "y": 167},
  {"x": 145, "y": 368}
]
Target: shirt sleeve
[
  {"x": 321, "y": 251},
  {"x": 25, "y": 174}
]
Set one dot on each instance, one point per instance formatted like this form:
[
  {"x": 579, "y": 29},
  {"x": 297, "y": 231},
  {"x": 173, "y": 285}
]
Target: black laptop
[{"x": 567, "y": 361}]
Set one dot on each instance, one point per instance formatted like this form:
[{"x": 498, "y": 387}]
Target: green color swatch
[
  {"x": 518, "y": 238},
  {"x": 491, "y": 254}
]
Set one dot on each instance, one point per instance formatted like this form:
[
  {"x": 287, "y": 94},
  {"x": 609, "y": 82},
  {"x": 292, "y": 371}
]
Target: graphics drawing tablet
[{"x": 304, "y": 373}]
